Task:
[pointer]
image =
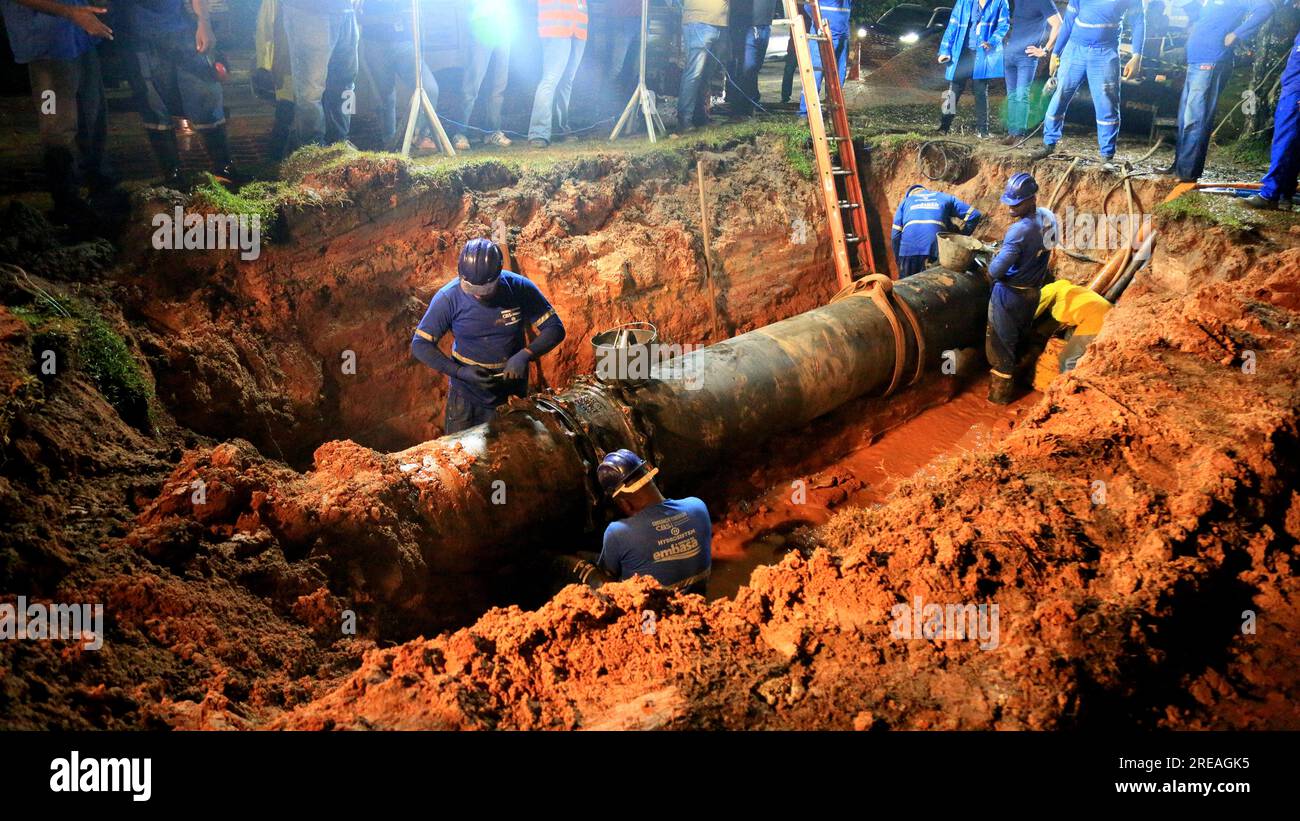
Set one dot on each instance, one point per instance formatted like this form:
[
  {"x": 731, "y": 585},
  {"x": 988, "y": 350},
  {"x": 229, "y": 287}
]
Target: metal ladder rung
[
  {"x": 847, "y": 205},
  {"x": 840, "y": 171},
  {"x": 850, "y": 238}
]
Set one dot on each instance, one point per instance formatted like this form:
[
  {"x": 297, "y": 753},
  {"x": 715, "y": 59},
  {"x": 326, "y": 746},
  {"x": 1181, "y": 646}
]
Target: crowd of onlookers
[{"x": 309, "y": 54}]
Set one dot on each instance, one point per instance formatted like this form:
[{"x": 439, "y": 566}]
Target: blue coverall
[
  {"x": 836, "y": 13},
  {"x": 1209, "y": 63},
  {"x": 921, "y": 217},
  {"x": 1089, "y": 49},
  {"x": 1280, "y": 181},
  {"x": 1018, "y": 272}
]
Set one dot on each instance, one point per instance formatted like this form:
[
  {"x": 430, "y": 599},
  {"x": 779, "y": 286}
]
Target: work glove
[
  {"x": 517, "y": 365},
  {"x": 1133, "y": 69},
  {"x": 480, "y": 378}
]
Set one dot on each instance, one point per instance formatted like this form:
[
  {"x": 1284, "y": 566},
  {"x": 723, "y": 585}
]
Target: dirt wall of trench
[{"x": 257, "y": 348}]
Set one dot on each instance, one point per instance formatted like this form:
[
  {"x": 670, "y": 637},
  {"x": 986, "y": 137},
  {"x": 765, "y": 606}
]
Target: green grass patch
[
  {"x": 79, "y": 335},
  {"x": 1211, "y": 209},
  {"x": 1253, "y": 153}
]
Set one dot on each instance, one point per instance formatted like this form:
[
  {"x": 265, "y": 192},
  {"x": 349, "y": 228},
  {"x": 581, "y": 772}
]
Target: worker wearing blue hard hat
[
  {"x": 486, "y": 309},
  {"x": 670, "y": 540},
  {"x": 1018, "y": 272}
]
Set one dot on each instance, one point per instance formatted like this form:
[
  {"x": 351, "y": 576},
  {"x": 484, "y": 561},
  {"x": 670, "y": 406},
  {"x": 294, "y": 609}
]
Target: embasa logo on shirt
[{"x": 510, "y": 316}]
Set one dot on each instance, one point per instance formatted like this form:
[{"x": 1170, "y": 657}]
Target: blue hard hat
[
  {"x": 622, "y": 471},
  {"x": 479, "y": 266},
  {"x": 1019, "y": 188}
]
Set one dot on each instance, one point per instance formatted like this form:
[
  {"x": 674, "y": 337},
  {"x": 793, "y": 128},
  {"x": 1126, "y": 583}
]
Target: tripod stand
[
  {"x": 643, "y": 96},
  {"x": 420, "y": 98}
]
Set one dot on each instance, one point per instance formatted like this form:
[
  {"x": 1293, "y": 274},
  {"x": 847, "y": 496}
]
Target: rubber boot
[
  {"x": 1001, "y": 389},
  {"x": 945, "y": 123},
  {"x": 282, "y": 130},
  {"x": 217, "y": 144},
  {"x": 168, "y": 155}
]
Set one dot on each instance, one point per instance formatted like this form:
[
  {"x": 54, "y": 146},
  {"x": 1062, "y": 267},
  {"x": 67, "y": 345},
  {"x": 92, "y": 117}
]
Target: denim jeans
[
  {"x": 323, "y": 61},
  {"x": 700, "y": 39},
  {"x": 391, "y": 64},
  {"x": 72, "y": 135},
  {"x": 625, "y": 54},
  {"x": 840, "y": 39},
  {"x": 755, "y": 50},
  {"x": 1099, "y": 65},
  {"x": 1019, "y": 70},
  {"x": 965, "y": 73},
  {"x": 560, "y": 59},
  {"x": 486, "y": 76},
  {"x": 1196, "y": 116},
  {"x": 170, "y": 79},
  {"x": 1280, "y": 181}
]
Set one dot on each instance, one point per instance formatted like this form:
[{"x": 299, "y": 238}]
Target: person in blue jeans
[
  {"x": 1279, "y": 184},
  {"x": 1035, "y": 25},
  {"x": 167, "y": 66},
  {"x": 486, "y": 310},
  {"x": 1088, "y": 49},
  {"x": 1217, "y": 27},
  {"x": 972, "y": 48},
  {"x": 58, "y": 42},
  {"x": 562, "y": 27},
  {"x": 754, "y": 19},
  {"x": 323, "y": 39},
  {"x": 921, "y": 217},
  {"x": 836, "y": 13},
  {"x": 389, "y": 52},
  {"x": 492, "y": 28},
  {"x": 703, "y": 24}
]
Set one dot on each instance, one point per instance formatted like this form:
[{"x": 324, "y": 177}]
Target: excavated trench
[
  {"x": 227, "y": 612},
  {"x": 261, "y": 348}
]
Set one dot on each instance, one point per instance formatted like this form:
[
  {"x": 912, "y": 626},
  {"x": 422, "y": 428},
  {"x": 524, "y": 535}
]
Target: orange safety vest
[{"x": 562, "y": 18}]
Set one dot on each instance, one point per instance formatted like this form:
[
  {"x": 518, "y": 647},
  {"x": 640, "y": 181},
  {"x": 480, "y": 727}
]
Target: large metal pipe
[{"x": 445, "y": 516}]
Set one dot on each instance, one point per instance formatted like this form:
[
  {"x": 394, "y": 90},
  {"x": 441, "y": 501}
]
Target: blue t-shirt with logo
[
  {"x": 671, "y": 541},
  {"x": 486, "y": 333}
]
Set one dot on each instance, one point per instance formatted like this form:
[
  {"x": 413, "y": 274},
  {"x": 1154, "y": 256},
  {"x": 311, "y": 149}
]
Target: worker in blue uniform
[
  {"x": 486, "y": 309},
  {"x": 1088, "y": 49},
  {"x": 921, "y": 217},
  {"x": 1217, "y": 27},
  {"x": 972, "y": 49},
  {"x": 1018, "y": 272},
  {"x": 1279, "y": 184},
  {"x": 836, "y": 14},
  {"x": 669, "y": 540}
]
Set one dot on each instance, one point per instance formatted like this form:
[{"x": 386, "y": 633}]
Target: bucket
[
  {"x": 956, "y": 251},
  {"x": 622, "y": 346}
]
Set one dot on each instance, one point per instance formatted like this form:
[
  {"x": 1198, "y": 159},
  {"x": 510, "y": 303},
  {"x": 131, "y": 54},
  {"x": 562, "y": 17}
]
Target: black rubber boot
[
  {"x": 1001, "y": 389},
  {"x": 217, "y": 144},
  {"x": 168, "y": 155},
  {"x": 282, "y": 130},
  {"x": 1259, "y": 203},
  {"x": 945, "y": 123},
  {"x": 1042, "y": 152}
]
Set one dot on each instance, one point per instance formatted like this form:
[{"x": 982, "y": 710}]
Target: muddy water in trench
[{"x": 757, "y": 531}]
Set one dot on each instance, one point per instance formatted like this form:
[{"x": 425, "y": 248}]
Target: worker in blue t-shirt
[
  {"x": 670, "y": 540},
  {"x": 921, "y": 217},
  {"x": 486, "y": 310},
  {"x": 1018, "y": 273}
]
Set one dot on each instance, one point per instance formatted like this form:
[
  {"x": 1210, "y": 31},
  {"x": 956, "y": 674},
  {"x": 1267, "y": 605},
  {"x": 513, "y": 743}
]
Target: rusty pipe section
[{"x": 459, "y": 509}]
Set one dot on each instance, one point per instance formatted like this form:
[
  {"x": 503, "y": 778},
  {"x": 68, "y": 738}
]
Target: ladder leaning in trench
[{"x": 846, "y": 212}]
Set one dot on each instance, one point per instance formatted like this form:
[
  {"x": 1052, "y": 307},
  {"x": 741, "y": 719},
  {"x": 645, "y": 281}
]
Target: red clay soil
[
  {"x": 1120, "y": 613},
  {"x": 1123, "y": 613}
]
